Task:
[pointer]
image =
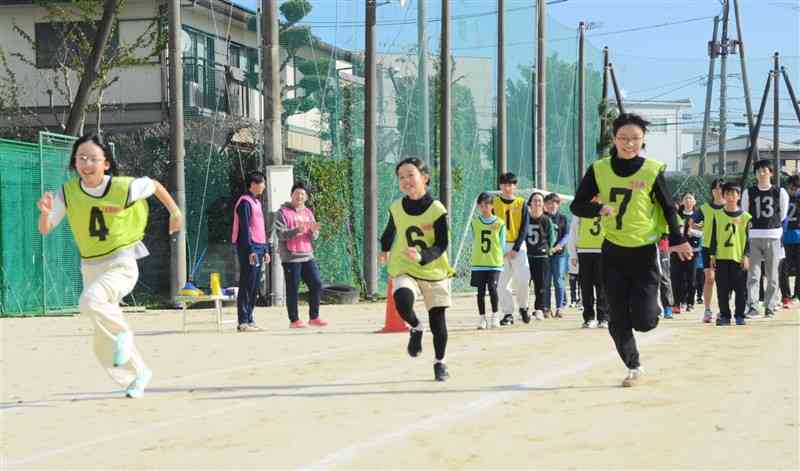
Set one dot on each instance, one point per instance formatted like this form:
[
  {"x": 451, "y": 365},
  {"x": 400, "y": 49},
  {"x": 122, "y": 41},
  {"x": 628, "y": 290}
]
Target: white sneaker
[
  {"x": 633, "y": 378},
  {"x": 592, "y": 324},
  {"x": 136, "y": 389},
  {"x": 602, "y": 325},
  {"x": 482, "y": 324},
  {"x": 538, "y": 315},
  {"x": 495, "y": 321}
]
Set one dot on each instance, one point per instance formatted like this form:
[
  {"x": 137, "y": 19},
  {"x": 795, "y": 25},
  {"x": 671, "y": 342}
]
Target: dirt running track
[{"x": 542, "y": 396}]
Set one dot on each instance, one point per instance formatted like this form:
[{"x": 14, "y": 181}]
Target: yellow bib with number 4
[{"x": 104, "y": 224}]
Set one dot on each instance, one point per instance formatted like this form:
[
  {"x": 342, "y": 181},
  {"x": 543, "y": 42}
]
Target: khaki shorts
[{"x": 434, "y": 293}]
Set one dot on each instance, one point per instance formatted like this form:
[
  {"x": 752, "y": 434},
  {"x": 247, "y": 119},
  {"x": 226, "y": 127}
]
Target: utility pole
[
  {"x": 444, "y": 125},
  {"x": 776, "y": 121},
  {"x": 502, "y": 135},
  {"x": 742, "y": 61},
  {"x": 757, "y": 128},
  {"x": 370, "y": 154},
  {"x": 617, "y": 93},
  {"x": 541, "y": 96},
  {"x": 723, "y": 90},
  {"x": 273, "y": 139},
  {"x": 422, "y": 81},
  {"x": 604, "y": 117},
  {"x": 176, "y": 148},
  {"x": 792, "y": 96},
  {"x": 581, "y": 106},
  {"x": 713, "y": 52}
]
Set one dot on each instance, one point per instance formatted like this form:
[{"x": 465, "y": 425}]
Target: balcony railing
[{"x": 214, "y": 87}]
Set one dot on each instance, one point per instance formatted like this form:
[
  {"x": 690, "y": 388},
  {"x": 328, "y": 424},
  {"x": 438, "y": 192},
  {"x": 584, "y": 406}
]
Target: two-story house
[{"x": 221, "y": 68}]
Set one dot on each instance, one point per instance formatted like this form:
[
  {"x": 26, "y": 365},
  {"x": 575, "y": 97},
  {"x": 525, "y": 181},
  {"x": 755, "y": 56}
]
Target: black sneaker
[
  {"x": 768, "y": 313},
  {"x": 526, "y": 317},
  {"x": 415, "y": 343},
  {"x": 440, "y": 372},
  {"x": 508, "y": 319},
  {"x": 723, "y": 321}
]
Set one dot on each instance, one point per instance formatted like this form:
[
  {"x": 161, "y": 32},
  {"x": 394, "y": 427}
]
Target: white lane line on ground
[
  {"x": 464, "y": 410},
  {"x": 167, "y": 423}
]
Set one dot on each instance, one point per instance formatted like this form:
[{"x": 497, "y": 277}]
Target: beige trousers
[{"x": 104, "y": 286}]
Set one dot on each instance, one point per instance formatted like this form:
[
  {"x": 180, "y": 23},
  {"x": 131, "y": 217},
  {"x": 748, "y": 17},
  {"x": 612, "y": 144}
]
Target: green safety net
[
  {"x": 401, "y": 130},
  {"x": 323, "y": 131},
  {"x": 38, "y": 275}
]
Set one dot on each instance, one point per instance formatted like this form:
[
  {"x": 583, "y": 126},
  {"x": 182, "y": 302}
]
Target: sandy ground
[{"x": 542, "y": 396}]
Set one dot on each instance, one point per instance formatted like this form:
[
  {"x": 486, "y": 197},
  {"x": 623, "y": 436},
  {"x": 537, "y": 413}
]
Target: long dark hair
[{"x": 98, "y": 140}]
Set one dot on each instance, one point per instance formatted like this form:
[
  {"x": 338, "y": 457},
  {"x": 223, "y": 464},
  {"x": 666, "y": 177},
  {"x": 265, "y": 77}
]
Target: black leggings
[
  {"x": 492, "y": 288},
  {"x": 404, "y": 300}
]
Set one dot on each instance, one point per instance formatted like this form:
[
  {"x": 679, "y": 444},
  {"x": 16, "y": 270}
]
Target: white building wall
[
  {"x": 140, "y": 84},
  {"x": 664, "y": 139}
]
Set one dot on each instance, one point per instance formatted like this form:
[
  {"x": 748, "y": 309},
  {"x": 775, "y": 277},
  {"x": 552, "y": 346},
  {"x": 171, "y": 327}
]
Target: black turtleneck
[
  {"x": 416, "y": 208},
  {"x": 582, "y": 205}
]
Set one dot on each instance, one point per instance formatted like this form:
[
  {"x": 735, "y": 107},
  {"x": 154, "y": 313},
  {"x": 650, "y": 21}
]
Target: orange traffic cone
[{"x": 393, "y": 322}]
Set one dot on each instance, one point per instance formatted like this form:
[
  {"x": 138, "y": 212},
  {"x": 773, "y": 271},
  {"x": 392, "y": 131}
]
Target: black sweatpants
[
  {"x": 631, "y": 278},
  {"x": 682, "y": 280},
  {"x": 404, "y": 300},
  {"x": 731, "y": 278},
  {"x": 790, "y": 264},
  {"x": 540, "y": 275},
  {"x": 590, "y": 266}
]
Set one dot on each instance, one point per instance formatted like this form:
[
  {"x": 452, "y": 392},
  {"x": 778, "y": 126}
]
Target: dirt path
[{"x": 544, "y": 396}]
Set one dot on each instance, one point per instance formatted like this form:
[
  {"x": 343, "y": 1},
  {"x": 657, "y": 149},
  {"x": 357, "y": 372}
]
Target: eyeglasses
[
  {"x": 632, "y": 140},
  {"x": 84, "y": 160}
]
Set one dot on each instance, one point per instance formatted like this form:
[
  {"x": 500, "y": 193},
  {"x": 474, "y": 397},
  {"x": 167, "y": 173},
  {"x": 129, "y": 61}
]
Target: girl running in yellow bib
[
  {"x": 415, "y": 245},
  {"x": 108, "y": 217}
]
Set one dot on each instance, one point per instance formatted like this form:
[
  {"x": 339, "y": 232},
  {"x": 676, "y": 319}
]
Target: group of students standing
[
  {"x": 745, "y": 239},
  {"x": 515, "y": 243}
]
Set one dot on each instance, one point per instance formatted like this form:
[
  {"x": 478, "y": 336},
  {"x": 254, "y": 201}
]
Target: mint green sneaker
[
  {"x": 122, "y": 348},
  {"x": 136, "y": 388}
]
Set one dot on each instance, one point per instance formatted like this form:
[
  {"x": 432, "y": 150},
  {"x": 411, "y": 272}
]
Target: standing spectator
[
  {"x": 516, "y": 271},
  {"x": 665, "y": 283},
  {"x": 558, "y": 259},
  {"x": 586, "y": 242},
  {"x": 791, "y": 243},
  {"x": 540, "y": 238},
  {"x": 730, "y": 246},
  {"x": 708, "y": 209},
  {"x": 250, "y": 237},
  {"x": 683, "y": 271},
  {"x": 769, "y": 206},
  {"x": 489, "y": 241},
  {"x": 297, "y": 229}
]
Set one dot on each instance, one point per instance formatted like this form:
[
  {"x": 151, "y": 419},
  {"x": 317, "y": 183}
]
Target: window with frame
[{"x": 61, "y": 43}]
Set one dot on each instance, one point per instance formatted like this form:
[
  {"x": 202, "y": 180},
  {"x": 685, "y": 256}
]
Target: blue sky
[{"x": 651, "y": 61}]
